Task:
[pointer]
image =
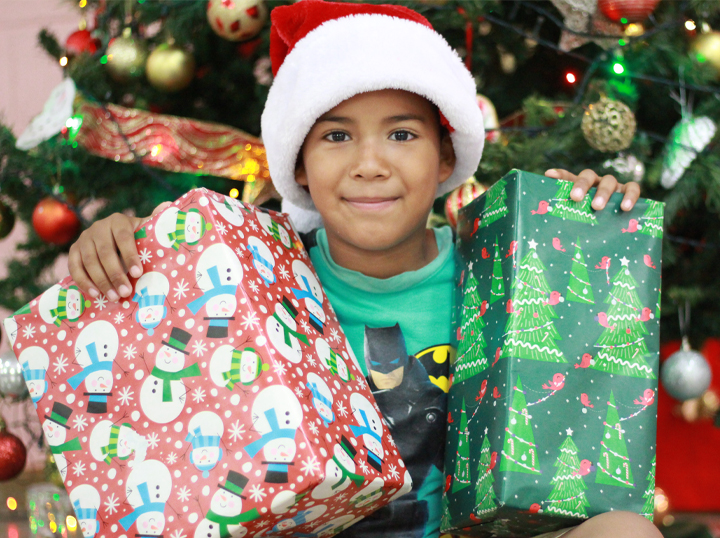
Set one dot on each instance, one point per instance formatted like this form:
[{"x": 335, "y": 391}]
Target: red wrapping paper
[{"x": 221, "y": 400}]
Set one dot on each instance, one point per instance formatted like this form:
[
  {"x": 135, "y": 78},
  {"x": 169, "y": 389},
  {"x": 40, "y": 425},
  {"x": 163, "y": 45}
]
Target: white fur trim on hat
[{"x": 363, "y": 53}]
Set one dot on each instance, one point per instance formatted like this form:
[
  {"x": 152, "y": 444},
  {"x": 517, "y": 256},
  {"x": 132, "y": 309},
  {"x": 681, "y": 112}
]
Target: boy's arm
[{"x": 606, "y": 186}]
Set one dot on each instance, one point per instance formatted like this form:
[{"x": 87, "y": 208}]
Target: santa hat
[{"x": 324, "y": 53}]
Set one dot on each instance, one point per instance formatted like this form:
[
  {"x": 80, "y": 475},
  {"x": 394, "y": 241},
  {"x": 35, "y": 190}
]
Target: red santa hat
[{"x": 325, "y": 52}]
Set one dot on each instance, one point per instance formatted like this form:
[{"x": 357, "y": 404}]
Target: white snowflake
[
  {"x": 313, "y": 428},
  {"x": 279, "y": 368},
  {"x": 181, "y": 289},
  {"x": 60, "y": 364},
  {"x": 111, "y": 504},
  {"x": 253, "y": 286},
  {"x": 29, "y": 331},
  {"x": 125, "y": 395},
  {"x": 101, "y": 302},
  {"x": 334, "y": 335},
  {"x": 130, "y": 352},
  {"x": 199, "y": 395},
  {"x": 361, "y": 382},
  {"x": 394, "y": 472},
  {"x": 391, "y": 441},
  {"x": 363, "y": 467},
  {"x": 284, "y": 273},
  {"x": 342, "y": 410},
  {"x": 237, "y": 429},
  {"x": 340, "y": 497},
  {"x": 199, "y": 348},
  {"x": 119, "y": 318},
  {"x": 153, "y": 440},
  {"x": 184, "y": 494},
  {"x": 172, "y": 458},
  {"x": 145, "y": 255},
  {"x": 257, "y": 493},
  {"x": 79, "y": 468},
  {"x": 80, "y": 423},
  {"x": 311, "y": 466},
  {"x": 310, "y": 360},
  {"x": 253, "y": 225},
  {"x": 177, "y": 534},
  {"x": 299, "y": 392},
  {"x": 305, "y": 326},
  {"x": 240, "y": 252},
  {"x": 221, "y": 228},
  {"x": 250, "y": 321}
]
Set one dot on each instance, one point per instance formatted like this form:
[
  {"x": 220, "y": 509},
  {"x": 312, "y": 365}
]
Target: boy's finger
[
  {"x": 585, "y": 180},
  {"x": 95, "y": 270},
  {"x": 124, "y": 237},
  {"x": 632, "y": 193},
  {"x": 78, "y": 273},
  {"x": 608, "y": 185},
  {"x": 112, "y": 265}
]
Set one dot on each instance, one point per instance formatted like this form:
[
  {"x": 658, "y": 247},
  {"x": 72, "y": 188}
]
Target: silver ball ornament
[
  {"x": 12, "y": 382},
  {"x": 686, "y": 374}
]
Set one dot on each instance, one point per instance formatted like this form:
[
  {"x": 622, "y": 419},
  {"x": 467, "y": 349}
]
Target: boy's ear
[
  {"x": 447, "y": 158},
  {"x": 300, "y": 173}
]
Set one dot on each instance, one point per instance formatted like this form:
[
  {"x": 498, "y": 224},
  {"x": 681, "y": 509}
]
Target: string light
[
  {"x": 690, "y": 25},
  {"x": 12, "y": 503},
  {"x": 234, "y": 193},
  {"x": 82, "y": 3},
  {"x": 618, "y": 68},
  {"x": 156, "y": 150},
  {"x": 570, "y": 77},
  {"x": 63, "y": 61},
  {"x": 71, "y": 523}
]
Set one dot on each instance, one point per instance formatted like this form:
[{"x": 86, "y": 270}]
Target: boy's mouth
[{"x": 371, "y": 204}]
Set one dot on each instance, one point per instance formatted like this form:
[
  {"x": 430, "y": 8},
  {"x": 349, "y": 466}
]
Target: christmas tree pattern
[
  {"x": 530, "y": 332},
  {"x": 579, "y": 289},
  {"x": 614, "y": 465},
  {"x": 495, "y": 207},
  {"x": 445, "y": 517},
  {"x": 461, "y": 479},
  {"x": 519, "y": 450},
  {"x": 622, "y": 344},
  {"x": 651, "y": 223},
  {"x": 471, "y": 359},
  {"x": 497, "y": 288},
  {"x": 567, "y": 497},
  {"x": 484, "y": 492},
  {"x": 565, "y": 208},
  {"x": 649, "y": 496}
]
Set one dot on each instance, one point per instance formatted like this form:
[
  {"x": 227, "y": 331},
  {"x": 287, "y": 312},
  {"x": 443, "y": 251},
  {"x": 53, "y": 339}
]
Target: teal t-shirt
[{"x": 400, "y": 331}]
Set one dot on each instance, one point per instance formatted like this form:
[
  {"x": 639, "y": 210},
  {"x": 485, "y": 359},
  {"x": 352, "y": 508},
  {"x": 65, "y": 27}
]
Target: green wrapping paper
[{"x": 552, "y": 411}]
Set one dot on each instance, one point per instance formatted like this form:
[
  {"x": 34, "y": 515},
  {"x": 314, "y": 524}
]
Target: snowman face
[
  {"x": 286, "y": 524},
  {"x": 221, "y": 306},
  {"x": 264, "y": 271},
  {"x": 88, "y": 527},
  {"x": 170, "y": 359},
  {"x": 125, "y": 444},
  {"x": 99, "y": 382},
  {"x": 193, "y": 227},
  {"x": 323, "y": 410},
  {"x": 151, "y": 523},
  {"x": 249, "y": 367},
  {"x": 225, "y": 503},
  {"x": 231, "y": 212},
  {"x": 208, "y": 455},
  {"x": 284, "y": 315},
  {"x": 74, "y": 301},
  {"x": 373, "y": 445},
  {"x": 280, "y": 450},
  {"x": 151, "y": 315},
  {"x": 342, "y": 369},
  {"x": 36, "y": 388},
  {"x": 276, "y": 335},
  {"x": 54, "y": 433},
  {"x": 315, "y": 309},
  {"x": 344, "y": 458}
]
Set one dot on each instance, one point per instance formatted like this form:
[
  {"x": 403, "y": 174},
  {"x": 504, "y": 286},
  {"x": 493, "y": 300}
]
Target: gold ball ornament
[
  {"x": 609, "y": 125},
  {"x": 707, "y": 49},
  {"x": 126, "y": 57},
  {"x": 461, "y": 197},
  {"x": 237, "y": 20},
  {"x": 170, "y": 68}
]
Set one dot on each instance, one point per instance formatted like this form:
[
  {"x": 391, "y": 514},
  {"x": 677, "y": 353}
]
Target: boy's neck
[{"x": 412, "y": 254}]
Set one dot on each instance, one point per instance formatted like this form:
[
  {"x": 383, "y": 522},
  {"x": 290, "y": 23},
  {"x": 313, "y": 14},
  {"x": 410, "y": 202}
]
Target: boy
[{"x": 370, "y": 117}]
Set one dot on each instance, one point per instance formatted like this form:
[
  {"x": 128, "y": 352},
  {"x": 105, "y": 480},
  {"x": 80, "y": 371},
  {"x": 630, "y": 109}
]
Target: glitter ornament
[
  {"x": 12, "y": 454},
  {"x": 707, "y": 49},
  {"x": 170, "y": 68},
  {"x": 126, "y": 57},
  {"x": 608, "y": 125},
  {"x": 686, "y": 373},
  {"x": 630, "y": 10},
  {"x": 236, "y": 20},
  {"x": 55, "y": 222},
  {"x": 461, "y": 197},
  {"x": 688, "y": 138}
]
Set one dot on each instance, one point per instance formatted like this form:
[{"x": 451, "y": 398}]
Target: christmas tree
[
  {"x": 519, "y": 450},
  {"x": 579, "y": 289},
  {"x": 495, "y": 207},
  {"x": 649, "y": 495},
  {"x": 567, "y": 497},
  {"x": 484, "y": 492},
  {"x": 563, "y": 207},
  {"x": 497, "y": 288},
  {"x": 621, "y": 344},
  {"x": 461, "y": 479},
  {"x": 445, "y": 517},
  {"x": 530, "y": 331},
  {"x": 471, "y": 359},
  {"x": 614, "y": 465},
  {"x": 651, "y": 223}
]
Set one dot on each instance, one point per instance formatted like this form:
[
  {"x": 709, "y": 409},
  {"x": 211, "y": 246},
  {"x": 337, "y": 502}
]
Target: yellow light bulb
[{"x": 234, "y": 193}]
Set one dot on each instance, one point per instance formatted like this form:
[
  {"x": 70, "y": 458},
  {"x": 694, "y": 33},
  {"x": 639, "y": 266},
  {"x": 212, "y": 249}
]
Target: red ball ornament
[
  {"x": 12, "y": 454},
  {"x": 55, "y": 222},
  {"x": 461, "y": 197},
  {"x": 79, "y": 42},
  {"x": 630, "y": 10}
]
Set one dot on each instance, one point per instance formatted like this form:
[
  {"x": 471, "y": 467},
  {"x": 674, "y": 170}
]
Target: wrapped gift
[
  {"x": 552, "y": 404},
  {"x": 221, "y": 399}
]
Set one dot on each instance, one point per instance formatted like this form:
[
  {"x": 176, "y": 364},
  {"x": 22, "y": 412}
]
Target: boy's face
[{"x": 373, "y": 164}]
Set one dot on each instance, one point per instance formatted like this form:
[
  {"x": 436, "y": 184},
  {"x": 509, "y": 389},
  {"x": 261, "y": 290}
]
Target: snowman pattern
[
  {"x": 148, "y": 489},
  {"x": 34, "y": 362},
  {"x": 205, "y": 431},
  {"x": 322, "y": 398},
  {"x": 335, "y": 526},
  {"x": 263, "y": 260},
  {"x": 369, "y": 429},
  {"x": 273, "y": 229},
  {"x": 370, "y": 494},
  {"x": 11, "y": 329},
  {"x": 333, "y": 361},
  {"x": 339, "y": 471},
  {"x": 230, "y": 209},
  {"x": 175, "y": 228},
  {"x": 163, "y": 393},
  {"x": 55, "y": 427},
  {"x": 109, "y": 441},
  {"x": 225, "y": 517},
  {"x": 282, "y": 331},
  {"x": 151, "y": 291},
  {"x": 230, "y": 366},
  {"x": 311, "y": 292},
  {"x": 95, "y": 352},
  {"x": 60, "y": 304},
  {"x": 85, "y": 500},
  {"x": 301, "y": 518}
]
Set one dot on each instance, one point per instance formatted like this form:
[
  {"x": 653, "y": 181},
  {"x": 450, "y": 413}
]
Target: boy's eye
[
  {"x": 337, "y": 136},
  {"x": 402, "y": 136}
]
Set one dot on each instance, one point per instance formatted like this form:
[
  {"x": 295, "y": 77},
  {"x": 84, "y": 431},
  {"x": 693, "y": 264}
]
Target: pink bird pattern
[
  {"x": 557, "y": 383},
  {"x": 646, "y": 315},
  {"x": 585, "y": 468},
  {"x": 513, "y": 249},
  {"x": 647, "y": 398},
  {"x": 543, "y": 207},
  {"x": 476, "y": 225},
  {"x": 585, "y": 400},
  {"x": 498, "y": 351},
  {"x": 555, "y": 298},
  {"x": 584, "y": 361},
  {"x": 483, "y": 308},
  {"x": 604, "y": 263},
  {"x": 557, "y": 245},
  {"x": 632, "y": 227},
  {"x": 485, "y": 253},
  {"x": 496, "y": 393},
  {"x": 648, "y": 261},
  {"x": 602, "y": 319},
  {"x": 481, "y": 393}
]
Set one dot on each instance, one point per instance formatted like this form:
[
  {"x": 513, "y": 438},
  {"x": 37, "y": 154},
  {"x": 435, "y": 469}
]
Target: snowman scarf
[
  {"x": 306, "y": 294},
  {"x": 144, "y": 508},
  {"x": 232, "y": 376},
  {"x": 167, "y": 377},
  {"x": 96, "y": 365},
  {"x": 276, "y": 432},
  {"x": 34, "y": 374},
  {"x": 60, "y": 313},
  {"x": 67, "y": 446},
  {"x": 289, "y": 333},
  {"x": 274, "y": 230},
  {"x": 345, "y": 474},
  {"x": 365, "y": 430},
  {"x": 225, "y": 521},
  {"x": 258, "y": 259},
  {"x": 110, "y": 451}
]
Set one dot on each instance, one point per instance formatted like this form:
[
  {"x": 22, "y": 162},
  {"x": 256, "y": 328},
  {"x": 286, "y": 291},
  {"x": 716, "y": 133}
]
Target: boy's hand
[
  {"x": 606, "y": 186},
  {"x": 104, "y": 253}
]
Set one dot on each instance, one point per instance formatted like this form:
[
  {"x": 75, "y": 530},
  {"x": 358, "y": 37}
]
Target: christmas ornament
[
  {"x": 126, "y": 57},
  {"x": 57, "y": 110},
  {"x": 461, "y": 197},
  {"x": 12, "y": 381},
  {"x": 7, "y": 220},
  {"x": 170, "y": 68},
  {"x": 688, "y": 138},
  {"x": 627, "y": 167},
  {"x": 704, "y": 407},
  {"x": 236, "y": 20},
  {"x": 55, "y": 222},
  {"x": 12, "y": 454},
  {"x": 584, "y": 17},
  {"x": 608, "y": 125},
  {"x": 686, "y": 373},
  {"x": 707, "y": 48},
  {"x": 490, "y": 118},
  {"x": 629, "y": 10},
  {"x": 79, "y": 42}
]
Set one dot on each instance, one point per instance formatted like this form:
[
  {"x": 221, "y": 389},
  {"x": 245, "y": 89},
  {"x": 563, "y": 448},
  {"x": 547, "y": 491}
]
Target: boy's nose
[{"x": 370, "y": 162}]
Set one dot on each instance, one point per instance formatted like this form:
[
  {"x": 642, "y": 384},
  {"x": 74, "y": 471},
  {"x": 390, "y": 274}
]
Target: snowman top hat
[
  {"x": 60, "y": 414},
  {"x": 347, "y": 447},
  {"x": 323, "y": 53},
  {"x": 235, "y": 483},
  {"x": 178, "y": 340}
]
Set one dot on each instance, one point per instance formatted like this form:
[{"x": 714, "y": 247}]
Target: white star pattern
[
  {"x": 199, "y": 348},
  {"x": 145, "y": 255},
  {"x": 198, "y": 395},
  {"x": 221, "y": 228},
  {"x": 181, "y": 289},
  {"x": 60, "y": 364},
  {"x": 111, "y": 504},
  {"x": 79, "y": 468},
  {"x": 257, "y": 493},
  {"x": 250, "y": 322},
  {"x": 569, "y": 431},
  {"x": 177, "y": 534},
  {"x": 237, "y": 429},
  {"x": 172, "y": 458},
  {"x": 253, "y": 225},
  {"x": 624, "y": 261},
  {"x": 305, "y": 326},
  {"x": 29, "y": 331},
  {"x": 394, "y": 472},
  {"x": 311, "y": 466},
  {"x": 284, "y": 273},
  {"x": 392, "y": 441},
  {"x": 342, "y": 410},
  {"x": 279, "y": 368},
  {"x": 361, "y": 382},
  {"x": 532, "y": 244},
  {"x": 253, "y": 286},
  {"x": 334, "y": 335},
  {"x": 184, "y": 494},
  {"x": 130, "y": 352},
  {"x": 363, "y": 467},
  {"x": 125, "y": 395},
  {"x": 79, "y": 423},
  {"x": 340, "y": 497},
  {"x": 101, "y": 302},
  {"x": 119, "y": 318},
  {"x": 153, "y": 440},
  {"x": 313, "y": 428}
]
